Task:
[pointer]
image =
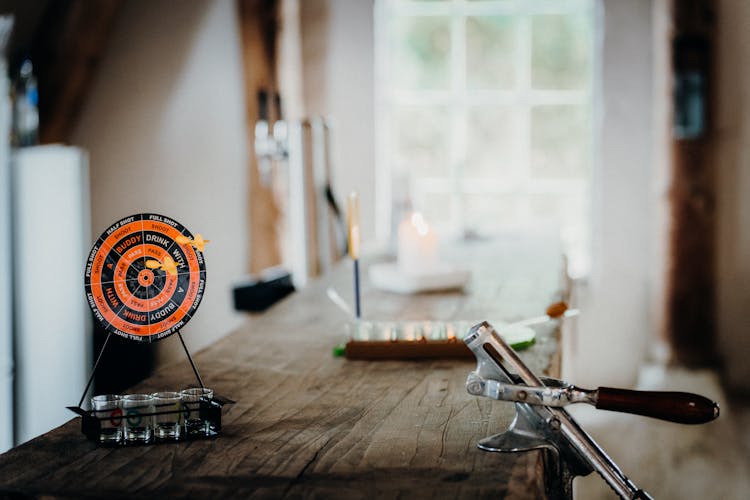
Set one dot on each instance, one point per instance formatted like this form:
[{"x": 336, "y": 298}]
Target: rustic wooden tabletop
[{"x": 307, "y": 424}]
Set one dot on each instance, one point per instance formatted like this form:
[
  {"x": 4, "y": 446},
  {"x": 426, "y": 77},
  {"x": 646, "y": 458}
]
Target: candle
[
  {"x": 417, "y": 246},
  {"x": 352, "y": 204}
]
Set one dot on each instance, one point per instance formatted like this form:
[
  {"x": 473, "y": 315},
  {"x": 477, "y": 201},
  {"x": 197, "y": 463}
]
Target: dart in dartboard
[{"x": 144, "y": 280}]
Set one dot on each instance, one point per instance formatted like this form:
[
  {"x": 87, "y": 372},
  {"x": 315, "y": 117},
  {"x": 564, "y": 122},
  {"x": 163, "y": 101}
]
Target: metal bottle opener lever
[
  {"x": 541, "y": 424},
  {"x": 680, "y": 407}
]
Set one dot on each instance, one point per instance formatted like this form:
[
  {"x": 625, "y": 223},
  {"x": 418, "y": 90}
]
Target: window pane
[
  {"x": 570, "y": 213},
  {"x": 489, "y": 212},
  {"x": 436, "y": 208},
  {"x": 560, "y": 142},
  {"x": 421, "y": 52},
  {"x": 490, "y": 142},
  {"x": 490, "y": 47},
  {"x": 421, "y": 140},
  {"x": 557, "y": 208},
  {"x": 492, "y": 129},
  {"x": 561, "y": 46}
]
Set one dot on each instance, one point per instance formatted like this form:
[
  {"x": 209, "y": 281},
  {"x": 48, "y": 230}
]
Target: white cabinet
[
  {"x": 52, "y": 323},
  {"x": 6, "y": 293}
]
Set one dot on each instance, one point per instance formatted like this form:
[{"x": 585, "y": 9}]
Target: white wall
[
  {"x": 338, "y": 75},
  {"x": 165, "y": 127},
  {"x": 616, "y": 321},
  {"x": 661, "y": 159},
  {"x": 52, "y": 331},
  {"x": 732, "y": 125}
]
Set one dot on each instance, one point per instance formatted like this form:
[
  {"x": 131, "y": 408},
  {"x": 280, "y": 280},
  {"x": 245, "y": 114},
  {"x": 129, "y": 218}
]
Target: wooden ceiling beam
[
  {"x": 259, "y": 27},
  {"x": 67, "y": 48}
]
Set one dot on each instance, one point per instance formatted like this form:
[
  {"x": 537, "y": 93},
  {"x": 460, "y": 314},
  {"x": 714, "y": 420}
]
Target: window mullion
[
  {"x": 384, "y": 108},
  {"x": 458, "y": 116},
  {"x": 523, "y": 151}
]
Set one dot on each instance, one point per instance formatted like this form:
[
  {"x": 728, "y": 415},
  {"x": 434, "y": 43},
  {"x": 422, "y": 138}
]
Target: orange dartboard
[{"x": 133, "y": 299}]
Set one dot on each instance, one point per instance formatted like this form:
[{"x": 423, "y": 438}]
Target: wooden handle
[{"x": 680, "y": 407}]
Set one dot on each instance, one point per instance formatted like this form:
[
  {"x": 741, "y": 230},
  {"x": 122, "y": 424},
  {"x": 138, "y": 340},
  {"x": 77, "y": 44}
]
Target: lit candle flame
[
  {"x": 420, "y": 224},
  {"x": 451, "y": 332},
  {"x": 409, "y": 332}
]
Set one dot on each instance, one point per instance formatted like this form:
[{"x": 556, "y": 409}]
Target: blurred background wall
[
  {"x": 614, "y": 335},
  {"x": 338, "y": 80},
  {"x": 732, "y": 163},
  {"x": 164, "y": 124}
]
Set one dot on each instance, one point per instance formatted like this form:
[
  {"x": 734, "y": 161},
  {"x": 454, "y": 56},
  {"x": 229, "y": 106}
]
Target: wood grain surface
[{"x": 309, "y": 425}]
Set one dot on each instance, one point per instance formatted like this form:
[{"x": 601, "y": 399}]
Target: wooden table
[{"x": 307, "y": 424}]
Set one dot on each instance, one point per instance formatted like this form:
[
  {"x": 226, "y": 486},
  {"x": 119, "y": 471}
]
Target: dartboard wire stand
[
  {"x": 144, "y": 280},
  {"x": 101, "y": 352}
]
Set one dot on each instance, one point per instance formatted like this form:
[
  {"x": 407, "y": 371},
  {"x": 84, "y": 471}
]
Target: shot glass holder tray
[{"x": 209, "y": 411}]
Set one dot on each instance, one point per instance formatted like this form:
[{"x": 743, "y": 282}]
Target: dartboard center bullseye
[{"x": 146, "y": 278}]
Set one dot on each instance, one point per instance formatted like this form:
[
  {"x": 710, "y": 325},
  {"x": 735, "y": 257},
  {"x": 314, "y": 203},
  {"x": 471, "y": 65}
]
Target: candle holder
[
  {"x": 209, "y": 411},
  {"x": 382, "y": 340}
]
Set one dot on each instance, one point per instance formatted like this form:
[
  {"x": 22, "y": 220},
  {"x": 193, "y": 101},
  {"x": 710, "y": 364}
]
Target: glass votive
[
  {"x": 407, "y": 331},
  {"x": 461, "y": 328},
  {"x": 138, "y": 423},
  {"x": 106, "y": 408},
  {"x": 168, "y": 418},
  {"x": 386, "y": 331},
  {"x": 359, "y": 330},
  {"x": 191, "y": 398},
  {"x": 437, "y": 330},
  {"x": 365, "y": 331}
]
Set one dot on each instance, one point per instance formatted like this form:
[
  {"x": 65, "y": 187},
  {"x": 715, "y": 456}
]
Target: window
[{"x": 484, "y": 111}]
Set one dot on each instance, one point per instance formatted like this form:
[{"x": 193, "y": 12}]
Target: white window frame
[{"x": 458, "y": 98}]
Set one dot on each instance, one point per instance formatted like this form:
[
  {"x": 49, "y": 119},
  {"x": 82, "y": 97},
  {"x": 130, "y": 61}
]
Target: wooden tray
[{"x": 405, "y": 349}]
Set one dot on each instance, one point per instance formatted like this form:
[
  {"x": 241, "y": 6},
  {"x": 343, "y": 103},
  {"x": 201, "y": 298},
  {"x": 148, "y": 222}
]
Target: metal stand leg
[
  {"x": 93, "y": 371},
  {"x": 195, "y": 370}
]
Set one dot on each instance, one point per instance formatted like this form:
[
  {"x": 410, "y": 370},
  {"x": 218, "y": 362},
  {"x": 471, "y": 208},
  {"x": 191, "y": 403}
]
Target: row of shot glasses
[{"x": 145, "y": 418}]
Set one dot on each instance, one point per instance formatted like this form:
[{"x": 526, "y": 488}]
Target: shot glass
[
  {"x": 107, "y": 409},
  {"x": 168, "y": 418},
  {"x": 194, "y": 424},
  {"x": 138, "y": 423}
]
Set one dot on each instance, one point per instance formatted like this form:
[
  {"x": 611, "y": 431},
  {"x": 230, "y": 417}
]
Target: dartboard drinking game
[{"x": 145, "y": 277}]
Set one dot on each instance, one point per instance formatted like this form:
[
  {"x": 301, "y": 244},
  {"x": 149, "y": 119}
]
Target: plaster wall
[
  {"x": 732, "y": 132},
  {"x": 165, "y": 129}
]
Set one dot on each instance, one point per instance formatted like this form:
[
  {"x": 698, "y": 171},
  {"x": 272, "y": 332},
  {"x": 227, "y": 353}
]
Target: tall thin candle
[{"x": 352, "y": 205}]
